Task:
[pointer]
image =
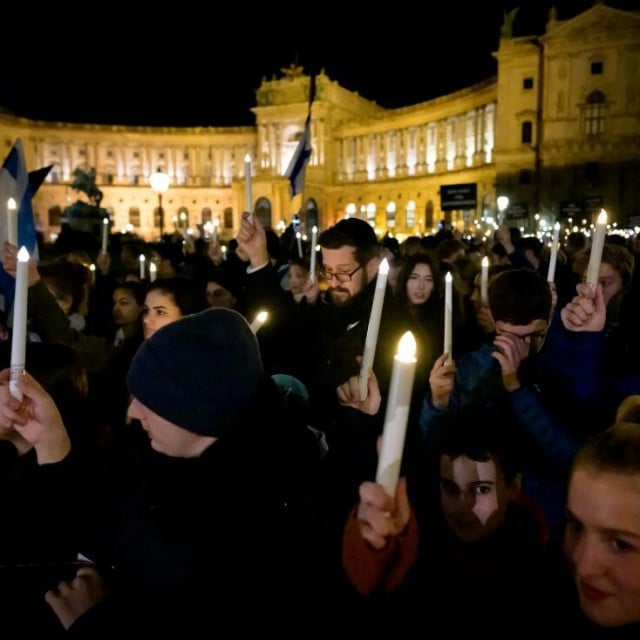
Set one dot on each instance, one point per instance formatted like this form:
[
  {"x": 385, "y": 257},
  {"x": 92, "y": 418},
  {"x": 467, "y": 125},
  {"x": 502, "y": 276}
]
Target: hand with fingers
[
  {"x": 442, "y": 381},
  {"x": 587, "y": 311},
  {"x": 381, "y": 517},
  {"x": 510, "y": 351},
  {"x": 35, "y": 419},
  {"x": 252, "y": 240},
  {"x": 349, "y": 393},
  {"x": 73, "y": 598}
]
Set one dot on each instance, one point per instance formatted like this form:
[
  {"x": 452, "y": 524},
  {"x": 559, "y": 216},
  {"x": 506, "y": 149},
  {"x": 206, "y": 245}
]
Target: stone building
[{"x": 557, "y": 131}]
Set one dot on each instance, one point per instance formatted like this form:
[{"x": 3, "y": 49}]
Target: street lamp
[
  {"x": 503, "y": 203},
  {"x": 160, "y": 182}
]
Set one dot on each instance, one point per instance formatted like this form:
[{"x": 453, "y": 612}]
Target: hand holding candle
[
  {"x": 374, "y": 326},
  {"x": 397, "y": 414},
  {"x": 19, "y": 328},
  {"x": 153, "y": 271},
  {"x": 448, "y": 314},
  {"x": 551, "y": 273},
  {"x": 597, "y": 244},
  {"x": 12, "y": 222}
]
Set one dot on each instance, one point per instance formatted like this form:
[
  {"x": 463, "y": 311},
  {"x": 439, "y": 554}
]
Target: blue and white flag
[
  {"x": 298, "y": 165},
  {"x": 15, "y": 183}
]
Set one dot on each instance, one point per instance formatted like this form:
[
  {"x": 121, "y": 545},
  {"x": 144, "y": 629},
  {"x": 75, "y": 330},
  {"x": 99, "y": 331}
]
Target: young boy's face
[{"x": 474, "y": 496}]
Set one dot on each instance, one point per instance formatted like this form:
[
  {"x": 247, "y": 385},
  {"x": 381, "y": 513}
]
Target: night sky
[{"x": 201, "y": 66}]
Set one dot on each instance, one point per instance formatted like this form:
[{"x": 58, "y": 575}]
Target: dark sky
[{"x": 200, "y": 65}]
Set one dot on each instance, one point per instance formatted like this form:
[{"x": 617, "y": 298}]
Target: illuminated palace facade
[{"x": 557, "y": 131}]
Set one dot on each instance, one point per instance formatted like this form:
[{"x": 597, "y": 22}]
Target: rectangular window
[
  {"x": 526, "y": 136},
  {"x": 597, "y": 68},
  {"x": 228, "y": 218},
  {"x": 594, "y": 119},
  {"x": 527, "y": 83},
  {"x": 134, "y": 216}
]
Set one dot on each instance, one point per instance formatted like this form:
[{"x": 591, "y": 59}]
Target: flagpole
[{"x": 297, "y": 166}]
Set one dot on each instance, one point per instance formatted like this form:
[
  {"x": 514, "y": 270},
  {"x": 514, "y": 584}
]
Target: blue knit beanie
[{"x": 199, "y": 372}]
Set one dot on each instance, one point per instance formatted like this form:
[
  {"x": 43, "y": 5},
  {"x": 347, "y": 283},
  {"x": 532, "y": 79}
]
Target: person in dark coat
[{"x": 212, "y": 523}]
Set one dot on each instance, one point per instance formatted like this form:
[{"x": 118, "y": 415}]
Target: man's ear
[{"x": 371, "y": 268}]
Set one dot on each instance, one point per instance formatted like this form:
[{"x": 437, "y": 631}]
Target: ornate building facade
[{"x": 557, "y": 131}]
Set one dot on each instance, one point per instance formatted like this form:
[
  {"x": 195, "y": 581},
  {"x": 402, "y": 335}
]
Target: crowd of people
[{"x": 170, "y": 468}]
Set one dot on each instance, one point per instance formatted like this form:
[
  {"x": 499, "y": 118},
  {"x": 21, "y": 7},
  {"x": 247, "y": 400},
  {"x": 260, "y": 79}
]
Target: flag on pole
[
  {"x": 17, "y": 183},
  {"x": 298, "y": 165}
]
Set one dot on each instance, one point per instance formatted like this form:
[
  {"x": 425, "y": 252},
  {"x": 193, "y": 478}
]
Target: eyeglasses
[
  {"x": 535, "y": 340},
  {"x": 340, "y": 276}
]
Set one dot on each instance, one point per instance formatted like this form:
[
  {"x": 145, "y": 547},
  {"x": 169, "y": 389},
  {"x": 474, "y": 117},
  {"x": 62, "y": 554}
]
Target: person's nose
[
  {"x": 133, "y": 410},
  {"x": 586, "y": 557}
]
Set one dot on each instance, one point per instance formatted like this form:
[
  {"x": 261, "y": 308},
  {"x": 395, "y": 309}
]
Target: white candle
[
  {"x": 259, "y": 320},
  {"x": 374, "y": 325},
  {"x": 19, "y": 328},
  {"x": 105, "y": 234},
  {"x": 448, "y": 314},
  {"x": 153, "y": 271},
  {"x": 12, "y": 222},
  {"x": 299, "y": 241},
  {"x": 312, "y": 263},
  {"x": 92, "y": 268},
  {"x": 142, "y": 259},
  {"x": 397, "y": 414},
  {"x": 597, "y": 244},
  {"x": 248, "y": 190},
  {"x": 484, "y": 281},
  {"x": 551, "y": 273}
]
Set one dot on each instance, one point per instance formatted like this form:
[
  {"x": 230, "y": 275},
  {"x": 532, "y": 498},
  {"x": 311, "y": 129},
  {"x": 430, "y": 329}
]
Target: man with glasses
[
  {"x": 336, "y": 319},
  {"x": 326, "y": 332}
]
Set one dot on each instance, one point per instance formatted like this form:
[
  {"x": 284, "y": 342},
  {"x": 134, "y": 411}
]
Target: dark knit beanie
[{"x": 199, "y": 372}]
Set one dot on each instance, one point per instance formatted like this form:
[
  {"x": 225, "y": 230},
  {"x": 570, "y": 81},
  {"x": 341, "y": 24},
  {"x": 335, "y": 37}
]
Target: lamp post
[
  {"x": 160, "y": 181},
  {"x": 503, "y": 203}
]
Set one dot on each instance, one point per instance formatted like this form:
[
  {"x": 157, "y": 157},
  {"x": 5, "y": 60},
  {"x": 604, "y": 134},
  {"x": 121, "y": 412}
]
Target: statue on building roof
[
  {"x": 294, "y": 70},
  {"x": 506, "y": 30}
]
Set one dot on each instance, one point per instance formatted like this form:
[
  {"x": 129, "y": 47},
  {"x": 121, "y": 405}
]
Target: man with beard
[
  {"x": 327, "y": 330},
  {"x": 335, "y": 321}
]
